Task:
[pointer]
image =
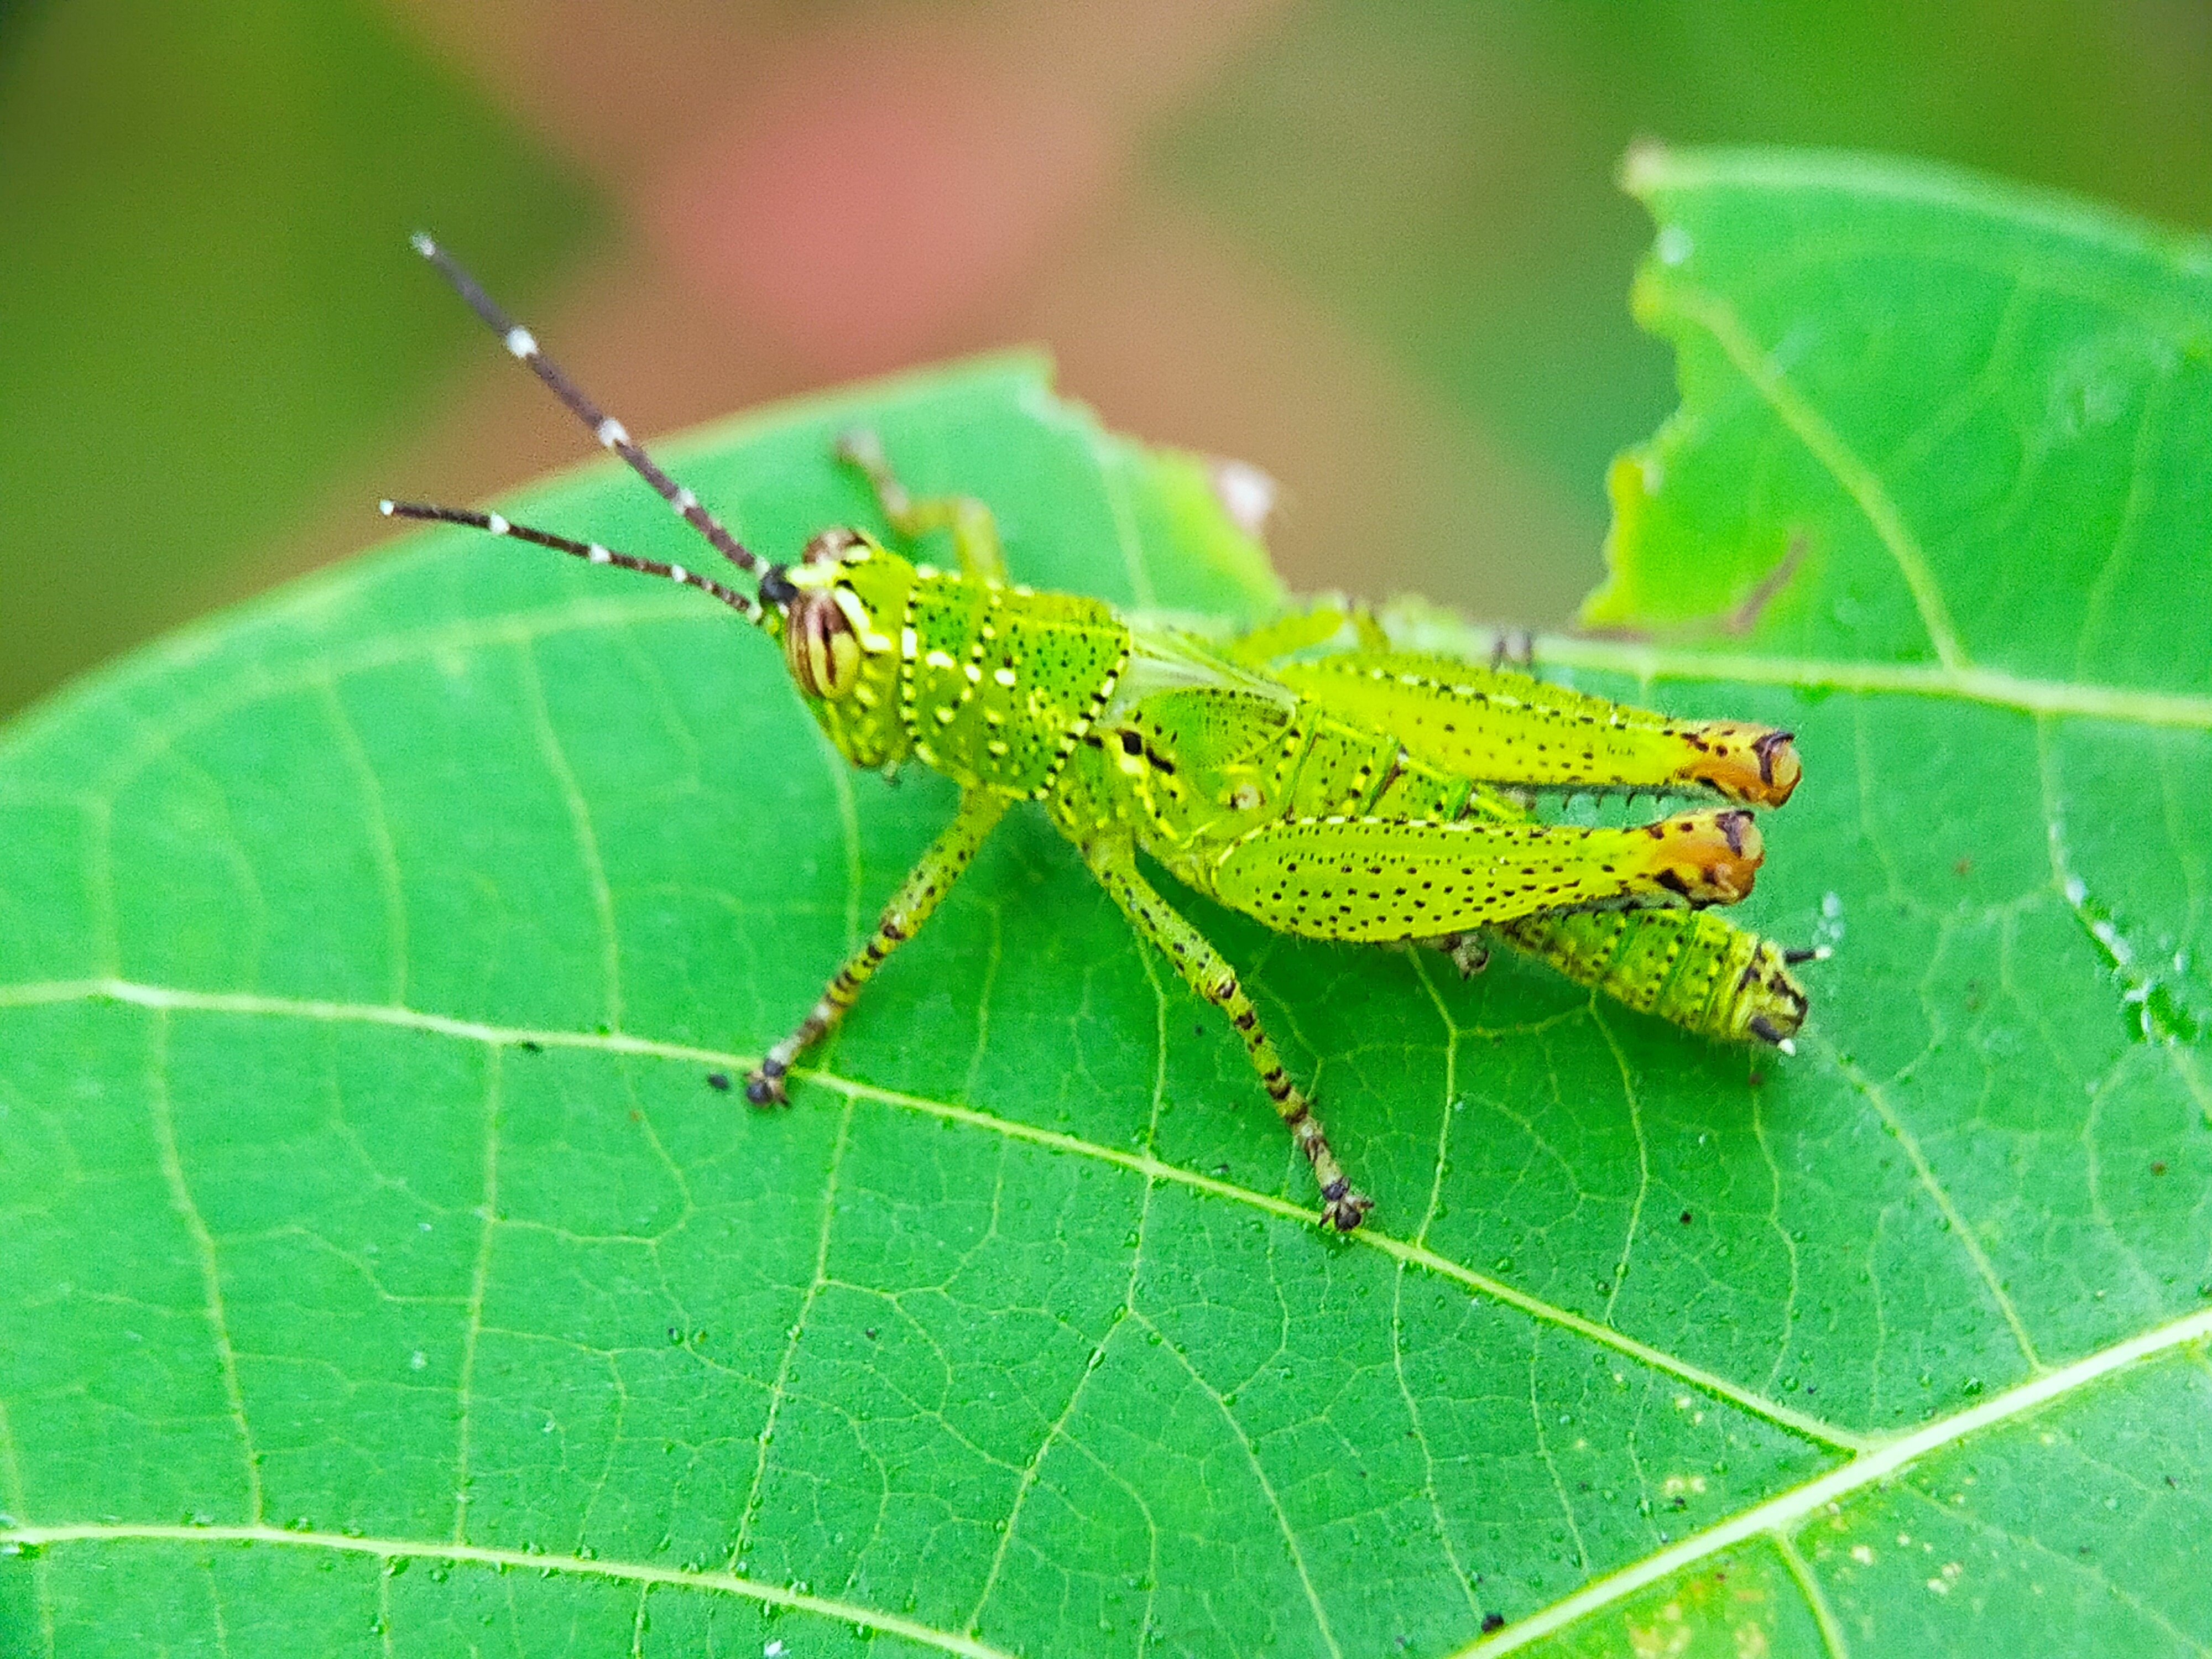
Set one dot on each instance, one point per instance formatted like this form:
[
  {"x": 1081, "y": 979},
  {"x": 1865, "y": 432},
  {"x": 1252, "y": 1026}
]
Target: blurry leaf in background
[
  {"x": 1443, "y": 175},
  {"x": 206, "y": 300},
  {"x": 1375, "y": 249}
]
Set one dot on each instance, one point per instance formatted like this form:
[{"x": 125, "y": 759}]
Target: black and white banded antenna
[
  {"x": 592, "y": 552},
  {"x": 522, "y": 344}
]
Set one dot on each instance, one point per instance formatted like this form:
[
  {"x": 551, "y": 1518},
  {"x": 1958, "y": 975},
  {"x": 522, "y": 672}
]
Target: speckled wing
[{"x": 1505, "y": 728}]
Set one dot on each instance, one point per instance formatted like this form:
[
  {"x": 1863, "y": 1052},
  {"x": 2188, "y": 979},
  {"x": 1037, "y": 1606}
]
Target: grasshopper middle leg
[
  {"x": 974, "y": 532},
  {"x": 1113, "y": 861},
  {"x": 948, "y": 855}
]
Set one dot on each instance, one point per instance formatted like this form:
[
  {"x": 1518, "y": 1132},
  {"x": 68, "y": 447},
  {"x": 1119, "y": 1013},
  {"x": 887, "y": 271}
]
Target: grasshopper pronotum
[{"x": 1308, "y": 773}]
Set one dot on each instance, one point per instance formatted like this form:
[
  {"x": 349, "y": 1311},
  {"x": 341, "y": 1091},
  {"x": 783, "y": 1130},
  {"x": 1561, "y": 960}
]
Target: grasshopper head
[{"x": 838, "y": 612}]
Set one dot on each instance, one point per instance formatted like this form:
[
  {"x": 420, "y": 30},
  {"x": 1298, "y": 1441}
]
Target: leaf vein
[
  {"x": 1961, "y": 1230},
  {"x": 580, "y": 822},
  {"x": 641, "y": 1573},
  {"x": 203, "y": 1255},
  {"x": 1832, "y": 1641},
  {"x": 778, "y": 1387},
  {"x": 1806, "y": 1427},
  {"x": 356, "y": 756},
  {"x": 1826, "y": 443},
  {"x": 479, "y": 1278},
  {"x": 1787, "y": 1509},
  {"x": 1290, "y": 1534}
]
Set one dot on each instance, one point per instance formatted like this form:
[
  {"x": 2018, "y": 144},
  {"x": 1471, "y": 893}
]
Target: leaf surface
[{"x": 389, "y": 1277}]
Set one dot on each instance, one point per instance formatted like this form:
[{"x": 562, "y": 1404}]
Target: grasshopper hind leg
[{"x": 1208, "y": 972}]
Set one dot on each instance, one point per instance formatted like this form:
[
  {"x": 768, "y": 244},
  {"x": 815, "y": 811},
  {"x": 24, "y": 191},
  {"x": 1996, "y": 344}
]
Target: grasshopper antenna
[
  {"x": 592, "y": 552},
  {"x": 522, "y": 344}
]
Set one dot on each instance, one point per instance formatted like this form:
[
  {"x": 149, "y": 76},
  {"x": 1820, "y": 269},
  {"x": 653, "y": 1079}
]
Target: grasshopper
[{"x": 1308, "y": 773}]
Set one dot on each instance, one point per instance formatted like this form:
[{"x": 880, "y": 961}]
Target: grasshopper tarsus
[
  {"x": 1469, "y": 952},
  {"x": 1342, "y": 1208},
  {"x": 860, "y": 447}
]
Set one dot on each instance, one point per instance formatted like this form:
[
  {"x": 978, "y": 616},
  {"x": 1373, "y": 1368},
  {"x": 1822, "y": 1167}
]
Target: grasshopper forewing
[{"x": 1344, "y": 796}]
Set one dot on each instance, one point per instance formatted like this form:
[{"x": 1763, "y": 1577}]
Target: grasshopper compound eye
[{"x": 819, "y": 646}]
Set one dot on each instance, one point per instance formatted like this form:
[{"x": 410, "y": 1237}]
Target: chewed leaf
[
  {"x": 1968, "y": 425},
  {"x": 392, "y": 1270}
]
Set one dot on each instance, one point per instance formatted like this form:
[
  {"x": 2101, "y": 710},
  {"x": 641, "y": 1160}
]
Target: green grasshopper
[{"x": 1309, "y": 774}]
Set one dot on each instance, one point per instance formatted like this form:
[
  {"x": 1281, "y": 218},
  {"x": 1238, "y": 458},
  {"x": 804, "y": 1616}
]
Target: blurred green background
[{"x": 1374, "y": 247}]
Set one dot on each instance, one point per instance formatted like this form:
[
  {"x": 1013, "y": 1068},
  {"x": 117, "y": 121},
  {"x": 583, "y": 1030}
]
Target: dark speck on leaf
[
  {"x": 2159, "y": 1168},
  {"x": 1962, "y": 866},
  {"x": 530, "y": 1046},
  {"x": 1198, "y": 1031},
  {"x": 1491, "y": 1621},
  {"x": 718, "y": 1082},
  {"x": 1685, "y": 1217},
  {"x": 1756, "y": 1078},
  {"x": 1221, "y": 1168},
  {"x": 870, "y": 1333}
]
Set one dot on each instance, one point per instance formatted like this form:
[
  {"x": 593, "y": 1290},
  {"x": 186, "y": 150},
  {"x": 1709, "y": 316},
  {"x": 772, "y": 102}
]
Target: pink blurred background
[{"x": 1374, "y": 248}]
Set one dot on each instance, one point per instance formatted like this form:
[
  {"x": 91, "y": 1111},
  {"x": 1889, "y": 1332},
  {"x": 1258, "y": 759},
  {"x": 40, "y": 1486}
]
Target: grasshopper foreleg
[
  {"x": 948, "y": 855},
  {"x": 974, "y": 532},
  {"x": 1208, "y": 972}
]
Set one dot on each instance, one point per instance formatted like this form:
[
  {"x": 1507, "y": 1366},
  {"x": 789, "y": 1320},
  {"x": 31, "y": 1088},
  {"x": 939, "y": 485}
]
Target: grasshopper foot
[
  {"x": 1513, "y": 648},
  {"x": 1341, "y": 1207},
  {"x": 1469, "y": 954},
  {"x": 858, "y": 447}
]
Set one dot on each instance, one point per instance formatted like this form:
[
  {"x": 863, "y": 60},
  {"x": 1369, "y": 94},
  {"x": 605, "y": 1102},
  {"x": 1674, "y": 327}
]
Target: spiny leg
[
  {"x": 1208, "y": 972},
  {"x": 948, "y": 855},
  {"x": 974, "y": 532}
]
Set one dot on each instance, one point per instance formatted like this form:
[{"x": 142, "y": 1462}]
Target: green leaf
[{"x": 386, "y": 1276}]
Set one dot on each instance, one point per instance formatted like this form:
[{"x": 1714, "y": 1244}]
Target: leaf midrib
[
  {"x": 2127, "y": 705},
  {"x": 1644, "y": 661},
  {"x": 1815, "y": 1430},
  {"x": 641, "y": 1573},
  {"x": 1779, "y": 1512}
]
